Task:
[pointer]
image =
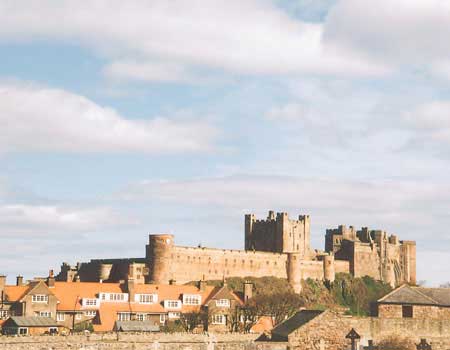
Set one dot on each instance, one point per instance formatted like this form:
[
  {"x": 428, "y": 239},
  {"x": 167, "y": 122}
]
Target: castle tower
[
  {"x": 158, "y": 256},
  {"x": 278, "y": 233},
  {"x": 294, "y": 271},
  {"x": 328, "y": 268}
]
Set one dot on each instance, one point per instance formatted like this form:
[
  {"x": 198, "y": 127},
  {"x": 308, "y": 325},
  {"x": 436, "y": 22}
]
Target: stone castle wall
[
  {"x": 276, "y": 246},
  {"x": 184, "y": 264}
]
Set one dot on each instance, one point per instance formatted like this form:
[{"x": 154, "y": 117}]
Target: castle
[{"x": 277, "y": 246}]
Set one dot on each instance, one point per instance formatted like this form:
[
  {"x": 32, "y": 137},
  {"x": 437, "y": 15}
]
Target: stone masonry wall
[
  {"x": 136, "y": 341},
  {"x": 328, "y": 331},
  {"x": 190, "y": 264},
  {"x": 419, "y": 312}
]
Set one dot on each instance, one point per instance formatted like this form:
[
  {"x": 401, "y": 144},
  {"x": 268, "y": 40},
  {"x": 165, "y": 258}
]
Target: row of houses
[{"x": 50, "y": 305}]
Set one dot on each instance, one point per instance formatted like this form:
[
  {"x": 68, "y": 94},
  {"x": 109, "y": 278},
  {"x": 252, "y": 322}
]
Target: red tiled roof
[{"x": 15, "y": 293}]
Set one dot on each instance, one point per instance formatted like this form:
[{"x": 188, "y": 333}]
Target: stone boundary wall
[{"x": 140, "y": 341}]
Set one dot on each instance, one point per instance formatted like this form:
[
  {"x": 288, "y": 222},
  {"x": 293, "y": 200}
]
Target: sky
[{"x": 120, "y": 119}]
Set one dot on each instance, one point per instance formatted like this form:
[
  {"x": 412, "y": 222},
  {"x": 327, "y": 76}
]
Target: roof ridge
[
  {"x": 393, "y": 291},
  {"x": 415, "y": 289}
]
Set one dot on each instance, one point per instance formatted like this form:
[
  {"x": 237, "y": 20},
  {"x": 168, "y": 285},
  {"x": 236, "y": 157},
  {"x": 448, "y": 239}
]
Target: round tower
[
  {"x": 159, "y": 255},
  {"x": 328, "y": 268},
  {"x": 294, "y": 271},
  {"x": 388, "y": 274}
]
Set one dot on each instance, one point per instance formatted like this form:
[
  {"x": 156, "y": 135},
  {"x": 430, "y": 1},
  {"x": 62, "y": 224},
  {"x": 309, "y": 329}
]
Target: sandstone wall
[
  {"x": 156, "y": 341},
  {"x": 328, "y": 331},
  {"x": 190, "y": 264},
  {"x": 341, "y": 266},
  {"x": 419, "y": 312}
]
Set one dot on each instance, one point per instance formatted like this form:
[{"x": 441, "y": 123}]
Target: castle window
[{"x": 407, "y": 311}]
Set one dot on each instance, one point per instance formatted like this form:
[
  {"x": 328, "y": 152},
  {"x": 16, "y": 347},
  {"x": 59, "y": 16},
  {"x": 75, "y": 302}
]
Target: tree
[
  {"x": 191, "y": 320},
  {"x": 279, "y": 305}
]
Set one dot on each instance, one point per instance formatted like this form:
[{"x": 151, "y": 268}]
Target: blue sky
[{"x": 122, "y": 119}]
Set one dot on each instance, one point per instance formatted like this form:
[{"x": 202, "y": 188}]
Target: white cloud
[
  {"x": 430, "y": 121},
  {"x": 330, "y": 201},
  {"x": 251, "y": 37},
  {"x": 400, "y": 32},
  {"x": 51, "y": 219},
  {"x": 42, "y": 119},
  {"x": 288, "y": 112},
  {"x": 149, "y": 71}
]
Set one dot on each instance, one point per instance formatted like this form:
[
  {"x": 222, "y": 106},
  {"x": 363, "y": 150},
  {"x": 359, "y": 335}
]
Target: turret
[
  {"x": 294, "y": 272},
  {"x": 328, "y": 268},
  {"x": 159, "y": 255}
]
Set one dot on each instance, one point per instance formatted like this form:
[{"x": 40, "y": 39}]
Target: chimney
[
  {"x": 77, "y": 278},
  {"x": 2, "y": 283},
  {"x": 51, "y": 279},
  {"x": 248, "y": 290},
  {"x": 202, "y": 284},
  {"x": 19, "y": 280},
  {"x": 131, "y": 288}
]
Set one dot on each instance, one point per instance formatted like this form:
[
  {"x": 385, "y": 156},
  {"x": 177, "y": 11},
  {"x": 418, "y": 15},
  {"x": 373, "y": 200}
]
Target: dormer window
[
  {"x": 223, "y": 303},
  {"x": 146, "y": 298},
  {"x": 116, "y": 297},
  {"x": 90, "y": 302},
  {"x": 192, "y": 299},
  {"x": 172, "y": 304},
  {"x": 39, "y": 298}
]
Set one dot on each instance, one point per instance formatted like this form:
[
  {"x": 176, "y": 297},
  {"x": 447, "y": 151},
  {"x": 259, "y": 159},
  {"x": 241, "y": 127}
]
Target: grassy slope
[{"x": 354, "y": 294}]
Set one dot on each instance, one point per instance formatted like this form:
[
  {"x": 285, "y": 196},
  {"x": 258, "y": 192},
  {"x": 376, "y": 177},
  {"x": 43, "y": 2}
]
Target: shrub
[{"x": 396, "y": 342}]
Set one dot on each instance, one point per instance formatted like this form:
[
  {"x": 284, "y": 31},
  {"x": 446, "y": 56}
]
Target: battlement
[
  {"x": 278, "y": 233},
  {"x": 374, "y": 253}
]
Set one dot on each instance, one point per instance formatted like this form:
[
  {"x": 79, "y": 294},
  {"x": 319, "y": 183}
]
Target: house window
[
  {"x": 172, "y": 304},
  {"x": 90, "y": 313},
  {"x": 45, "y": 314},
  {"x": 90, "y": 302},
  {"x": 39, "y": 298},
  {"x": 118, "y": 297},
  {"x": 123, "y": 316},
  {"x": 223, "y": 303},
  {"x": 23, "y": 331},
  {"x": 174, "y": 315},
  {"x": 407, "y": 311},
  {"x": 192, "y": 299},
  {"x": 147, "y": 298},
  {"x": 219, "y": 319},
  {"x": 4, "y": 314},
  {"x": 78, "y": 316},
  {"x": 60, "y": 316},
  {"x": 162, "y": 318},
  {"x": 141, "y": 317}
]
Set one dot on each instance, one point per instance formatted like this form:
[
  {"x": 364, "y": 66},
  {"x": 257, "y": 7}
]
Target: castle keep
[{"x": 277, "y": 246}]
